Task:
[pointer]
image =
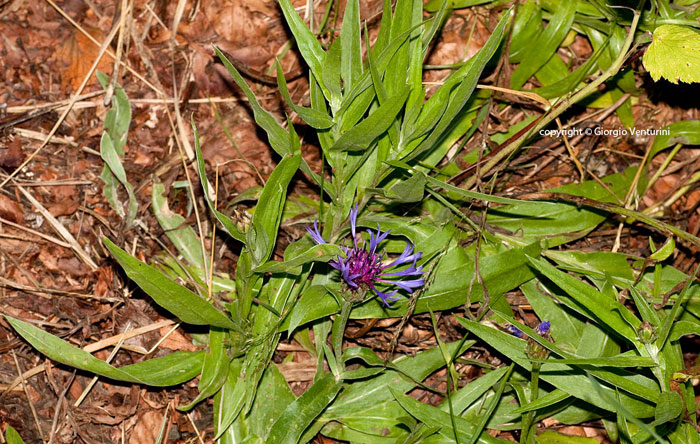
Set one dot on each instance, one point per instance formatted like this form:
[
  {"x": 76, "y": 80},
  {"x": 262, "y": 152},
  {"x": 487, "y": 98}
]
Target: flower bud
[{"x": 646, "y": 333}]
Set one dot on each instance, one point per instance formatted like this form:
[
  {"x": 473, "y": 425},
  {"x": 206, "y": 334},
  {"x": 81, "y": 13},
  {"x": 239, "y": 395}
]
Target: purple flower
[
  {"x": 515, "y": 331},
  {"x": 362, "y": 266},
  {"x": 542, "y": 329}
]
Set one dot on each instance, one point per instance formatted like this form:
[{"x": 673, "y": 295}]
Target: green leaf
[
  {"x": 230, "y": 228},
  {"x": 178, "y": 300},
  {"x": 367, "y": 355},
  {"x": 674, "y": 54},
  {"x": 568, "y": 379},
  {"x": 309, "y": 307},
  {"x": 317, "y": 119},
  {"x": 272, "y": 398},
  {"x": 467, "y": 395},
  {"x": 526, "y": 27},
  {"x": 568, "y": 84},
  {"x": 433, "y": 416},
  {"x": 306, "y": 41},
  {"x": 289, "y": 426},
  {"x": 546, "y": 44},
  {"x": 684, "y": 328},
  {"x": 623, "y": 411},
  {"x": 109, "y": 154},
  {"x": 228, "y": 402},
  {"x": 492, "y": 406},
  {"x": 686, "y": 132},
  {"x": 361, "y": 396},
  {"x": 172, "y": 369},
  {"x": 665, "y": 251},
  {"x": 500, "y": 273},
  {"x": 551, "y": 398},
  {"x": 676, "y": 310},
  {"x": 463, "y": 81},
  {"x": 118, "y": 118},
  {"x": 176, "y": 228},
  {"x": 316, "y": 253},
  {"x": 552, "y": 437},
  {"x": 610, "y": 361},
  {"x": 361, "y": 135},
  {"x": 615, "y": 316},
  {"x": 409, "y": 190},
  {"x": 565, "y": 328},
  {"x": 278, "y": 137},
  {"x": 11, "y": 435},
  {"x": 262, "y": 234},
  {"x": 110, "y": 190},
  {"x": 669, "y": 407},
  {"x": 351, "y": 45},
  {"x": 214, "y": 370}
]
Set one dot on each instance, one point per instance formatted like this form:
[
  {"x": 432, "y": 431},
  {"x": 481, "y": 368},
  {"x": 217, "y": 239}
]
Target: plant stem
[
  {"x": 339, "y": 331},
  {"x": 527, "y": 433}
]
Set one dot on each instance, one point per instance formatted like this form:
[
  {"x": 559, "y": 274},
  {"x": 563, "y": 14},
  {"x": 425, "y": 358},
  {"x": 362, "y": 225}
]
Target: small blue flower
[
  {"x": 362, "y": 268},
  {"x": 543, "y": 328},
  {"x": 515, "y": 331}
]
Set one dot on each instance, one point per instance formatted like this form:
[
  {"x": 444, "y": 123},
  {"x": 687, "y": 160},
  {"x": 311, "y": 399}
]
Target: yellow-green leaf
[{"x": 674, "y": 54}]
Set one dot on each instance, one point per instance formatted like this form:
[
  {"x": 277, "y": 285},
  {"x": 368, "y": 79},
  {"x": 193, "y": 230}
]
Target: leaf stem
[
  {"x": 527, "y": 433},
  {"x": 338, "y": 332}
]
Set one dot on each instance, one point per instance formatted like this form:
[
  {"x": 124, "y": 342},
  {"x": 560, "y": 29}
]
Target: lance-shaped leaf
[
  {"x": 172, "y": 369},
  {"x": 175, "y": 298},
  {"x": 262, "y": 233}
]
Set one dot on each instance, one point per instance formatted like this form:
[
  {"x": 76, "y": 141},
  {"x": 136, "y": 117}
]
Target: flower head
[
  {"x": 362, "y": 267},
  {"x": 543, "y": 328}
]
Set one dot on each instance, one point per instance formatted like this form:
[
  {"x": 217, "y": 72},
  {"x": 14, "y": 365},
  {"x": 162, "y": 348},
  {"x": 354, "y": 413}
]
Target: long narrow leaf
[
  {"x": 172, "y": 369},
  {"x": 178, "y": 300}
]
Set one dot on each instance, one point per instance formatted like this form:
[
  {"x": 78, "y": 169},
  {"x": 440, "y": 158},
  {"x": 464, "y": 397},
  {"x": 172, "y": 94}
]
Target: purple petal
[
  {"x": 336, "y": 263},
  {"x": 345, "y": 273},
  {"x": 374, "y": 241},
  {"x": 353, "y": 220},
  {"x": 406, "y": 285},
  {"x": 386, "y": 297},
  {"x": 405, "y": 257},
  {"x": 315, "y": 234},
  {"x": 410, "y": 271},
  {"x": 515, "y": 331},
  {"x": 543, "y": 328}
]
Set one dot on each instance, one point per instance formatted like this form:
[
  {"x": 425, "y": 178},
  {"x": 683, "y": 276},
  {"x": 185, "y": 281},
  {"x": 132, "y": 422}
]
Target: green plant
[{"x": 387, "y": 145}]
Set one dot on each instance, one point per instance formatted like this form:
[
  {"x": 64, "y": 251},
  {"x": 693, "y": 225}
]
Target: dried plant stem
[{"x": 559, "y": 108}]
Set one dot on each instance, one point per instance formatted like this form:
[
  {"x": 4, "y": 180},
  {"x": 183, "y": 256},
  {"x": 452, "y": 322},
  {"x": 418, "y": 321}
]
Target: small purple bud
[
  {"x": 515, "y": 331},
  {"x": 543, "y": 328}
]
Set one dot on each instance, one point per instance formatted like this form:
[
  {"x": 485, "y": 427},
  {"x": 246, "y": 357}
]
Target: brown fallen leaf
[
  {"x": 77, "y": 54},
  {"x": 175, "y": 340},
  {"x": 12, "y": 157},
  {"x": 10, "y": 210},
  {"x": 73, "y": 266},
  {"x": 147, "y": 427},
  {"x": 105, "y": 275},
  {"x": 63, "y": 208}
]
